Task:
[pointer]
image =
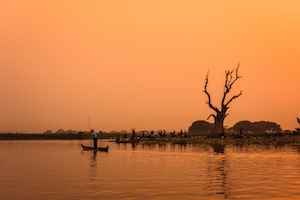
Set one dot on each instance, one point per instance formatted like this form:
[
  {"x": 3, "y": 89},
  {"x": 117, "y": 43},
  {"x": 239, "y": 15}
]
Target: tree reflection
[
  {"x": 223, "y": 177},
  {"x": 218, "y": 147},
  {"x": 218, "y": 172}
]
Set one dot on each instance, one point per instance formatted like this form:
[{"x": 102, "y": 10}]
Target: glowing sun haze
[{"x": 142, "y": 64}]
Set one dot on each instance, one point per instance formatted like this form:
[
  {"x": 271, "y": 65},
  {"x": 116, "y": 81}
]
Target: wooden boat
[{"x": 86, "y": 148}]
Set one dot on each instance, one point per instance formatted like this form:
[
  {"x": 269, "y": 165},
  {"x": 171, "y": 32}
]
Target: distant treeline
[
  {"x": 37, "y": 136},
  {"x": 52, "y": 136},
  {"x": 82, "y": 135},
  {"x": 202, "y": 127},
  {"x": 198, "y": 128}
]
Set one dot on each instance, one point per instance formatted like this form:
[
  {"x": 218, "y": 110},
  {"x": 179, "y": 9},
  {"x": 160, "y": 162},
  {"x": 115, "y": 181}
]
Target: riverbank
[
  {"x": 257, "y": 140},
  {"x": 65, "y": 136},
  {"x": 293, "y": 139}
]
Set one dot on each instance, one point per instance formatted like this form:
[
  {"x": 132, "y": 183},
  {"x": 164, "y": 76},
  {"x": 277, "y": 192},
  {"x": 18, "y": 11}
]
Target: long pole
[{"x": 89, "y": 123}]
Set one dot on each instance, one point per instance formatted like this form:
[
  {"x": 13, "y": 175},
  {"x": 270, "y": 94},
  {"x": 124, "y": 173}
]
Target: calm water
[{"x": 60, "y": 170}]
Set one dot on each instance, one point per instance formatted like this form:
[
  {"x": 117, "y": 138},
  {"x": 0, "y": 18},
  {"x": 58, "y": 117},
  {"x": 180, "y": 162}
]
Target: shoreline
[
  {"x": 282, "y": 140},
  {"x": 293, "y": 139}
]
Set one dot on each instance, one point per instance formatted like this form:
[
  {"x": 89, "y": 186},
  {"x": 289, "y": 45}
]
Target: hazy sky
[{"x": 142, "y": 64}]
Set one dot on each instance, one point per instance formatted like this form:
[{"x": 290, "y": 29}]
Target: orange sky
[{"x": 142, "y": 64}]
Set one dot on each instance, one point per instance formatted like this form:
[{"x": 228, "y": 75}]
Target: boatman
[{"x": 94, "y": 135}]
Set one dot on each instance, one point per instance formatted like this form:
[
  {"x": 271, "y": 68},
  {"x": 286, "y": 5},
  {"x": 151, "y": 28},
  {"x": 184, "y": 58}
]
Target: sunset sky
[{"x": 142, "y": 64}]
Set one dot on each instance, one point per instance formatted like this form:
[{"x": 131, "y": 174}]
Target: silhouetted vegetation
[
  {"x": 242, "y": 133},
  {"x": 231, "y": 76},
  {"x": 257, "y": 127},
  {"x": 32, "y": 136},
  {"x": 218, "y": 147},
  {"x": 200, "y": 127},
  {"x": 58, "y": 135},
  {"x": 241, "y": 128}
]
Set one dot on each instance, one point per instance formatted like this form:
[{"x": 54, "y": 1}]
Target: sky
[{"x": 118, "y": 65}]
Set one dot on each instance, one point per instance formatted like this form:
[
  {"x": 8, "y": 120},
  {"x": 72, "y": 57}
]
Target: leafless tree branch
[
  {"x": 229, "y": 82},
  {"x": 208, "y": 95},
  {"x": 211, "y": 115},
  {"x": 232, "y": 98}
]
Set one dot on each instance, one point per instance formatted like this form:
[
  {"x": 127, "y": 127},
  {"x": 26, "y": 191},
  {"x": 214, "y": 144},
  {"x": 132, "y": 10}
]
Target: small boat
[{"x": 86, "y": 148}]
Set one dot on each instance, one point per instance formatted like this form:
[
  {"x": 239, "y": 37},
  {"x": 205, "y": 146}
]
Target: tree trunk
[{"x": 218, "y": 128}]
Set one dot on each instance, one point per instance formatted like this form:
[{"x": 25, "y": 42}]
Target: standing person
[{"x": 94, "y": 135}]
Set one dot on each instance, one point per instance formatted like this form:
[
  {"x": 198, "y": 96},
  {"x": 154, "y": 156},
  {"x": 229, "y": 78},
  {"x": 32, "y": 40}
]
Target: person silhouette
[{"x": 94, "y": 135}]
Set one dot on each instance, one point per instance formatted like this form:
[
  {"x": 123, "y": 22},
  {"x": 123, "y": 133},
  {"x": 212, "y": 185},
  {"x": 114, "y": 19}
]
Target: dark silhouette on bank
[
  {"x": 231, "y": 77},
  {"x": 95, "y": 138}
]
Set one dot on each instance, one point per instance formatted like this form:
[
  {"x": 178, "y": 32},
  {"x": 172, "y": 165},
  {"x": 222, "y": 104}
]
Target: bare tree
[{"x": 231, "y": 76}]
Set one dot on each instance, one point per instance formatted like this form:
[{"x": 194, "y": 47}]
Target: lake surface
[{"x": 50, "y": 169}]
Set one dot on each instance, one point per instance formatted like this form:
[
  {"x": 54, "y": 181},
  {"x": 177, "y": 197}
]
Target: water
[{"x": 60, "y": 170}]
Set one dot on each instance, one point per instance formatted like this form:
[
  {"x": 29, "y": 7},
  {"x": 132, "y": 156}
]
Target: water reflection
[
  {"x": 133, "y": 145},
  {"x": 155, "y": 171},
  {"x": 93, "y": 159},
  {"x": 124, "y": 146},
  {"x": 217, "y": 172},
  {"x": 162, "y": 147},
  {"x": 296, "y": 147},
  {"x": 218, "y": 147},
  {"x": 221, "y": 176},
  {"x": 151, "y": 147},
  {"x": 181, "y": 147}
]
